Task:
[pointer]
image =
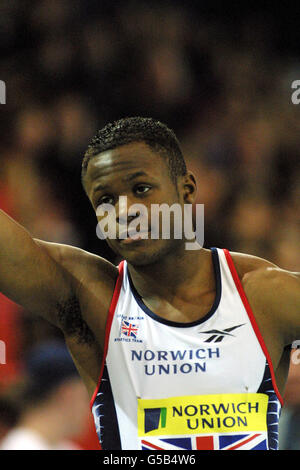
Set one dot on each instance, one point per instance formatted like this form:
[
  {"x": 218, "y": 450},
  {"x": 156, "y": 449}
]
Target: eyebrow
[
  {"x": 127, "y": 178},
  {"x": 134, "y": 175}
]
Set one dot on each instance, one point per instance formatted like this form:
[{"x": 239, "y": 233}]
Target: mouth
[{"x": 134, "y": 237}]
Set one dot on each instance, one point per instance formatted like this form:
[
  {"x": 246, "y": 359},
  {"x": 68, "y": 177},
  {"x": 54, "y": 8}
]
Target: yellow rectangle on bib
[{"x": 202, "y": 414}]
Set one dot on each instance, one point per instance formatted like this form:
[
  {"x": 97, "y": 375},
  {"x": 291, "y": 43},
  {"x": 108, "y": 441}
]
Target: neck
[{"x": 171, "y": 275}]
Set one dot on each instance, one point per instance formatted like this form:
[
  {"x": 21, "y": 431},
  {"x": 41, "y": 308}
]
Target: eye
[
  {"x": 142, "y": 188},
  {"x": 106, "y": 199}
]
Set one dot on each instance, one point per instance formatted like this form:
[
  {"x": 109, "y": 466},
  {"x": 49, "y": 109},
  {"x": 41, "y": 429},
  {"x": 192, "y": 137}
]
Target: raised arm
[{"x": 28, "y": 274}]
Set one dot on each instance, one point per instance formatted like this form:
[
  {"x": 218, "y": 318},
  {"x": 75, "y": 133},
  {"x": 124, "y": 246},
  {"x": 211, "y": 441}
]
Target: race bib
[{"x": 207, "y": 422}]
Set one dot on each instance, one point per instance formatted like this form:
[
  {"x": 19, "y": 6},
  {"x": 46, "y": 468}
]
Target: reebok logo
[{"x": 218, "y": 335}]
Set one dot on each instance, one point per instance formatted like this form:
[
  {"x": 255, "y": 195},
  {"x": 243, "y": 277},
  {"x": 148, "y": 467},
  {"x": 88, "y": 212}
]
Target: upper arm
[
  {"x": 82, "y": 266},
  {"x": 32, "y": 278}
]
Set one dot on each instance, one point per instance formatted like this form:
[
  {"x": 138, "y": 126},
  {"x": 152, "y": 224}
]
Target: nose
[
  {"x": 122, "y": 211},
  {"x": 127, "y": 210}
]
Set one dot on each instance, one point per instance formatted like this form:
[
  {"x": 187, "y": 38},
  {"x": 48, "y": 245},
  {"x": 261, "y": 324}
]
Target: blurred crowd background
[{"x": 220, "y": 79}]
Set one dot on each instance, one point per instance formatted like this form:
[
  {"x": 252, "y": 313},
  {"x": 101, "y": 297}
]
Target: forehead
[{"x": 126, "y": 159}]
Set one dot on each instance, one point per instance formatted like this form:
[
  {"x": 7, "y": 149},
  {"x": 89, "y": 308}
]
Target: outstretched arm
[{"x": 28, "y": 275}]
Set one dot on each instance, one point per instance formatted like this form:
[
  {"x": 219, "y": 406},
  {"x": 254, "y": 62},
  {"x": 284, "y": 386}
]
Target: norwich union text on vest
[{"x": 166, "y": 358}]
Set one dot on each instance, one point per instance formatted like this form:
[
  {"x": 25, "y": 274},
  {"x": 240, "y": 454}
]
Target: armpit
[{"x": 70, "y": 320}]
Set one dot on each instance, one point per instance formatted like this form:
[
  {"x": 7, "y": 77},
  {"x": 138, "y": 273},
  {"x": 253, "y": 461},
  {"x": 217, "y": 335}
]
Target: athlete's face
[{"x": 142, "y": 175}]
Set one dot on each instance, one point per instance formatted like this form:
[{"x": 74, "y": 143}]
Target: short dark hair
[{"x": 154, "y": 133}]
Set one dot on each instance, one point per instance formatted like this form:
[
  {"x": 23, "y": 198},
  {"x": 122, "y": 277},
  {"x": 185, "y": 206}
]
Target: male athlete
[{"x": 179, "y": 349}]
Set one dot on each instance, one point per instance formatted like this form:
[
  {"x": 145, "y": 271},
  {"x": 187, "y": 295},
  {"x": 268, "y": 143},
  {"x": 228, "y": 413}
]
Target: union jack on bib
[
  {"x": 250, "y": 441},
  {"x": 128, "y": 329}
]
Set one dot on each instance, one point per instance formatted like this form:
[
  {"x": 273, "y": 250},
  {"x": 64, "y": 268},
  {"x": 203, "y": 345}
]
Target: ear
[{"x": 189, "y": 187}]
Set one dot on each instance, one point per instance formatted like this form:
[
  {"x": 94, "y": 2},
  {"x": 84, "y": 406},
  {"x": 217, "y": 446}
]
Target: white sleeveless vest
[{"x": 166, "y": 385}]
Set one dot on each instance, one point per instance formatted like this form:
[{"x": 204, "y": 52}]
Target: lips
[{"x": 131, "y": 237}]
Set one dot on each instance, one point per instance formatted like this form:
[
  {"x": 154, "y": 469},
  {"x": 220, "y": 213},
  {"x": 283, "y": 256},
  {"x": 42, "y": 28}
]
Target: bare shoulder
[
  {"x": 253, "y": 270},
  {"x": 246, "y": 264},
  {"x": 272, "y": 292}
]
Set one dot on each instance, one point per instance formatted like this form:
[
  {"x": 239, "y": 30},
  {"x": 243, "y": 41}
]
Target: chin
[{"x": 148, "y": 254}]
